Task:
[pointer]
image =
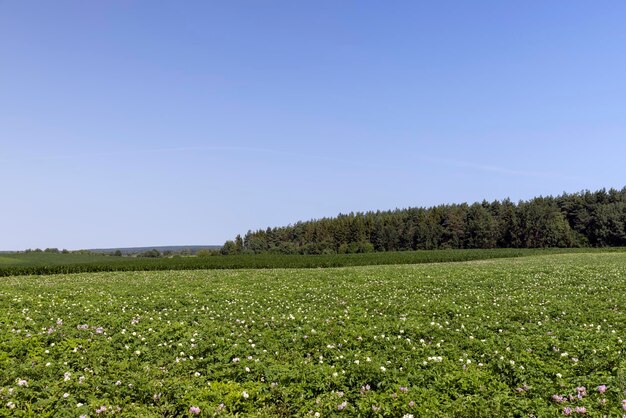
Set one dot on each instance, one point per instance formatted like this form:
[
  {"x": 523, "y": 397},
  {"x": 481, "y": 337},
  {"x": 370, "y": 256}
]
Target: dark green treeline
[{"x": 587, "y": 218}]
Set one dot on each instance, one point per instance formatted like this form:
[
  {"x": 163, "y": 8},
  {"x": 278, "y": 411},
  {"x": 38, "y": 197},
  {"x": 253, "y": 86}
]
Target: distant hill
[
  {"x": 176, "y": 249},
  {"x": 192, "y": 249}
]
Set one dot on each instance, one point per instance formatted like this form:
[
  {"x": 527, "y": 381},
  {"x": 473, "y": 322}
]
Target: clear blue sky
[{"x": 131, "y": 123}]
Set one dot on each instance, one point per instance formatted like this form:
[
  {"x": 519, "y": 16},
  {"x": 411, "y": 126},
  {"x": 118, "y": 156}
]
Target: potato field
[{"x": 538, "y": 336}]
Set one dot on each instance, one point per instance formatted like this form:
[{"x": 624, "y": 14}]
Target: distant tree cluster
[
  {"x": 47, "y": 250},
  {"x": 582, "y": 219},
  {"x": 153, "y": 253}
]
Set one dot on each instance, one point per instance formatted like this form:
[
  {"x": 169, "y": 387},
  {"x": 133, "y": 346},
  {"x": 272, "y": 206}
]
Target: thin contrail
[
  {"x": 285, "y": 152},
  {"x": 501, "y": 170},
  {"x": 201, "y": 148}
]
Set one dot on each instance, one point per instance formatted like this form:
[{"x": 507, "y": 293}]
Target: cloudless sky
[{"x": 139, "y": 123}]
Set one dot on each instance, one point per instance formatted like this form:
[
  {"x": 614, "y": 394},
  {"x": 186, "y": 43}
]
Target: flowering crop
[{"x": 528, "y": 336}]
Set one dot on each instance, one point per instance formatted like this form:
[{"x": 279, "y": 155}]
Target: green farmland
[
  {"x": 539, "y": 336},
  {"x": 12, "y": 264}
]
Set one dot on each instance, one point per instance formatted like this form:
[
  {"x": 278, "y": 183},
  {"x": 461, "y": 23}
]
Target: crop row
[{"x": 55, "y": 264}]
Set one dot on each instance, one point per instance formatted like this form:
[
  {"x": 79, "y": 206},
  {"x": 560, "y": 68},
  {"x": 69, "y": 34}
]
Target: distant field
[
  {"x": 48, "y": 259},
  {"x": 46, "y": 263},
  {"x": 519, "y": 337}
]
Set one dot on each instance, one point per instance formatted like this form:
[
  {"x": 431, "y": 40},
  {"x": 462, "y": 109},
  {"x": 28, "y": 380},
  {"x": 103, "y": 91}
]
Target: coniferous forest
[{"x": 596, "y": 219}]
